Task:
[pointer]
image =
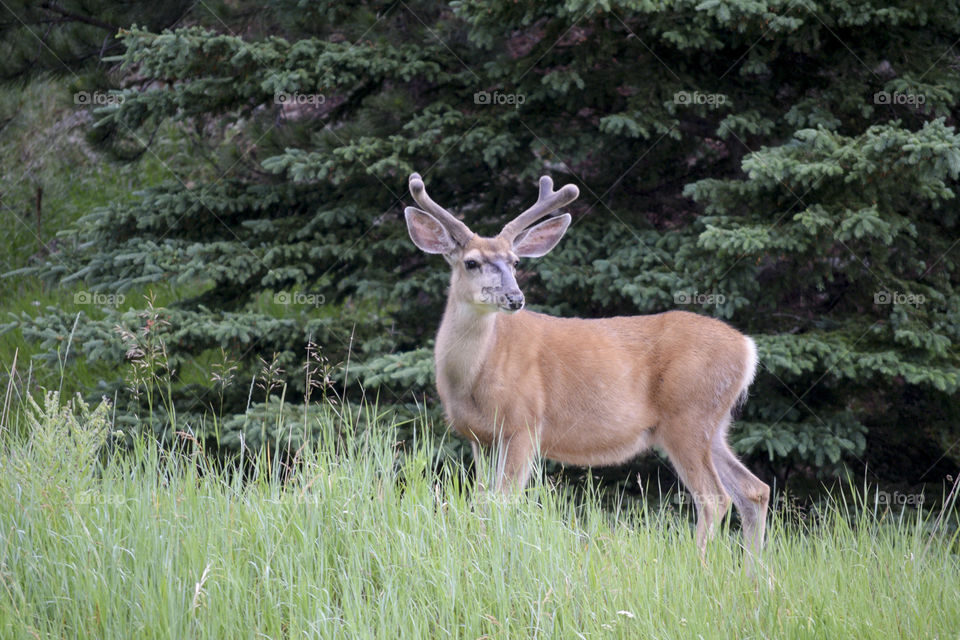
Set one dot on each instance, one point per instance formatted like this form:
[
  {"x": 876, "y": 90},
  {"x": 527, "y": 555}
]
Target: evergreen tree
[
  {"x": 71, "y": 35},
  {"x": 787, "y": 166}
]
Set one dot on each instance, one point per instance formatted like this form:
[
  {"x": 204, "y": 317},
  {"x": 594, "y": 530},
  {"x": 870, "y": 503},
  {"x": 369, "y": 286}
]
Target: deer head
[{"x": 484, "y": 269}]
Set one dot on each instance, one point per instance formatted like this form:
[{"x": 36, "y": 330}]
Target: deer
[{"x": 586, "y": 392}]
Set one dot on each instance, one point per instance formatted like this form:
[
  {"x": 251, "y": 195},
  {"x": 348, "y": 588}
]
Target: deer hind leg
[
  {"x": 750, "y": 494},
  {"x": 690, "y": 453}
]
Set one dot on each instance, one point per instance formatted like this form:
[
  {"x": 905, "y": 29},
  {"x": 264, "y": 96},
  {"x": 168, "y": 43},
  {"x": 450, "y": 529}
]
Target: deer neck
[{"x": 464, "y": 341}]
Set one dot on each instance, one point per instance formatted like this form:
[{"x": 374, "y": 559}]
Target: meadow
[
  {"x": 359, "y": 535},
  {"x": 776, "y": 179}
]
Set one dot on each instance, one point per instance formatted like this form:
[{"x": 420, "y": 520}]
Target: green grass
[{"x": 367, "y": 539}]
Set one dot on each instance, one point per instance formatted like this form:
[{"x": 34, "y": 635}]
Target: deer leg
[
  {"x": 750, "y": 494},
  {"x": 478, "y": 465},
  {"x": 699, "y": 476},
  {"x": 514, "y": 462}
]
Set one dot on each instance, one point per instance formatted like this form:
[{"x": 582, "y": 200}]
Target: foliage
[
  {"x": 68, "y": 35},
  {"x": 362, "y": 539},
  {"x": 768, "y": 163}
]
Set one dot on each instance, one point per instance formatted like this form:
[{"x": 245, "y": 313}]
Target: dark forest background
[{"x": 203, "y": 204}]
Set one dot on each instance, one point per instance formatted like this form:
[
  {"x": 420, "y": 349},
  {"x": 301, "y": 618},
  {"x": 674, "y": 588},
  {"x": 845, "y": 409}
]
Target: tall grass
[{"x": 358, "y": 537}]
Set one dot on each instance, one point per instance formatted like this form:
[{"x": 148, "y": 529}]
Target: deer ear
[
  {"x": 539, "y": 239},
  {"x": 427, "y": 232}
]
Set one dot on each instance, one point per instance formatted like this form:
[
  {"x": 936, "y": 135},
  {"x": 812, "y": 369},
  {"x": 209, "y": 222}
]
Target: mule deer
[{"x": 585, "y": 392}]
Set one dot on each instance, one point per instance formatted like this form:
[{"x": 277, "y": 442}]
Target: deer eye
[
  {"x": 516, "y": 264},
  {"x": 471, "y": 264}
]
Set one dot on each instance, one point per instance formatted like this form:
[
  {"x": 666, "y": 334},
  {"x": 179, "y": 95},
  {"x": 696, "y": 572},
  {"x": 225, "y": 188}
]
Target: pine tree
[
  {"x": 68, "y": 36},
  {"x": 786, "y": 166}
]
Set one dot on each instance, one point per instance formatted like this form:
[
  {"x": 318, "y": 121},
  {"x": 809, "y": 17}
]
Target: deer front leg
[
  {"x": 478, "y": 465},
  {"x": 514, "y": 462}
]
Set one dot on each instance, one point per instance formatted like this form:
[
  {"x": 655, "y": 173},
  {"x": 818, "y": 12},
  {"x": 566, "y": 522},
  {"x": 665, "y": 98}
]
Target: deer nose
[{"x": 514, "y": 301}]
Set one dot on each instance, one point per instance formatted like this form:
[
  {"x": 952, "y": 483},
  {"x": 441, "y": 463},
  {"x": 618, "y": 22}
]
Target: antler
[
  {"x": 548, "y": 201},
  {"x": 460, "y": 232}
]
